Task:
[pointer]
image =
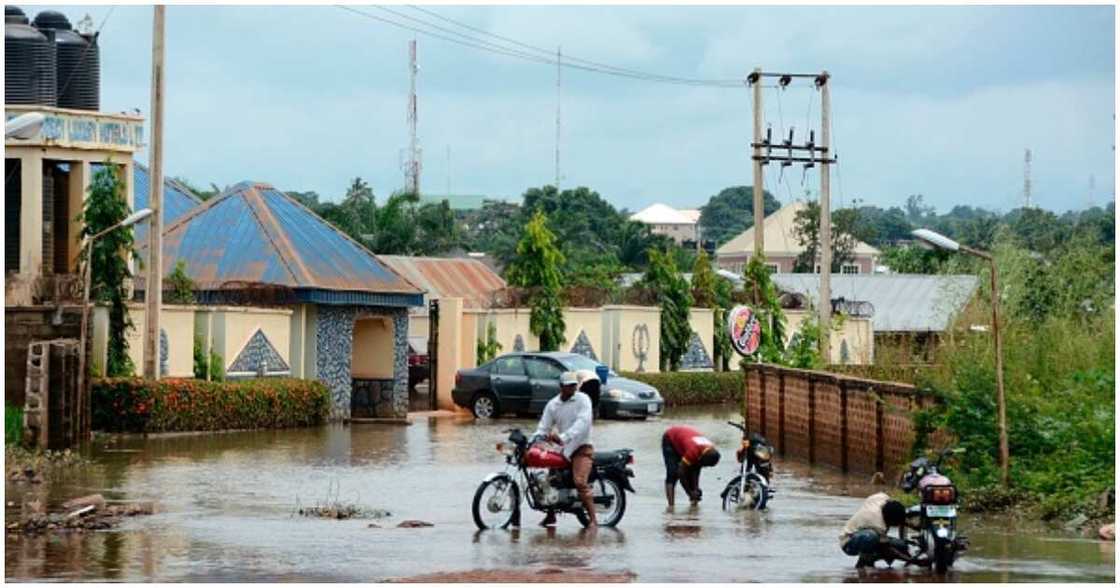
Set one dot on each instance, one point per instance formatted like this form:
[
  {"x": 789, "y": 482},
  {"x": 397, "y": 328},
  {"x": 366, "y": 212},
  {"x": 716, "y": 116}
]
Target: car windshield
[{"x": 579, "y": 362}]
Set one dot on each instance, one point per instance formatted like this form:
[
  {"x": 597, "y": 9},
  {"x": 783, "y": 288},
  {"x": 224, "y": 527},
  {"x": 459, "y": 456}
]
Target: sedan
[{"x": 522, "y": 383}]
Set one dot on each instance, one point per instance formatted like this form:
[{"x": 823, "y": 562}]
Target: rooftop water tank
[
  {"x": 78, "y": 77},
  {"x": 29, "y": 62}
]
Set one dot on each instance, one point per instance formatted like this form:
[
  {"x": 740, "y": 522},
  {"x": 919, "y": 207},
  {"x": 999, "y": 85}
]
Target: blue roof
[
  {"x": 256, "y": 234},
  {"x": 177, "y": 199}
]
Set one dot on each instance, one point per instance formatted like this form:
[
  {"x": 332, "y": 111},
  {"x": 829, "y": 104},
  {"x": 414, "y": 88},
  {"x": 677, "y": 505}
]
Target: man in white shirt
[
  {"x": 570, "y": 412},
  {"x": 865, "y": 534}
]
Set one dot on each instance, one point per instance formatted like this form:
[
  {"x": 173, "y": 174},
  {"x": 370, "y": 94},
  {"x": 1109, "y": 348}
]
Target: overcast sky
[{"x": 938, "y": 101}]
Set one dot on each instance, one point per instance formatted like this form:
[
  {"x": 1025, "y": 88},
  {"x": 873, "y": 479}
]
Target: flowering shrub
[{"x": 137, "y": 405}]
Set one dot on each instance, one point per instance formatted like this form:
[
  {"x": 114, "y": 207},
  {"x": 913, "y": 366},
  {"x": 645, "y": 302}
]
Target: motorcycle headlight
[
  {"x": 762, "y": 453},
  {"x": 942, "y": 532}
]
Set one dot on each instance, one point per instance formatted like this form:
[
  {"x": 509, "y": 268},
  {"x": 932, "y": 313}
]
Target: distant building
[
  {"x": 781, "y": 247},
  {"x": 678, "y": 225}
]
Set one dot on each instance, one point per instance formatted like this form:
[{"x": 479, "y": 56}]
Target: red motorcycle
[{"x": 547, "y": 476}]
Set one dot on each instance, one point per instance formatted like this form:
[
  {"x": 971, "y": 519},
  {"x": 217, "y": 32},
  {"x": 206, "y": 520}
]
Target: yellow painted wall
[
  {"x": 468, "y": 339},
  {"x": 175, "y": 320},
  {"x": 700, "y": 320},
  {"x": 450, "y": 345},
  {"x": 588, "y": 320},
  {"x": 373, "y": 349},
  {"x": 234, "y": 326},
  {"x": 856, "y": 332},
  {"x": 621, "y": 324}
]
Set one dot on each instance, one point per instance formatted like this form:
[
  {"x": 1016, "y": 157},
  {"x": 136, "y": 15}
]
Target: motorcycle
[
  {"x": 751, "y": 487},
  {"x": 935, "y": 518},
  {"x": 547, "y": 476}
]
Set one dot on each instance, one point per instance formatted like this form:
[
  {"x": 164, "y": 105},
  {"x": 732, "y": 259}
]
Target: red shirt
[{"x": 689, "y": 443}]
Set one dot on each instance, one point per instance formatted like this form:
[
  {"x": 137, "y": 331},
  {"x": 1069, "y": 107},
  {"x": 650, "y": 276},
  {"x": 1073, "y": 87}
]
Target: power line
[{"x": 476, "y": 43}]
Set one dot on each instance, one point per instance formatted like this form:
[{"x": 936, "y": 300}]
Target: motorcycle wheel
[
  {"x": 607, "y": 517},
  {"x": 755, "y": 499},
  {"x": 497, "y": 503},
  {"x": 731, "y": 494},
  {"x": 942, "y": 558}
]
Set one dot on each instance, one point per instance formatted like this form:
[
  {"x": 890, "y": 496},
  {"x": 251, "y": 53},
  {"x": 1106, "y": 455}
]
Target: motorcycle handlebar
[{"x": 742, "y": 428}]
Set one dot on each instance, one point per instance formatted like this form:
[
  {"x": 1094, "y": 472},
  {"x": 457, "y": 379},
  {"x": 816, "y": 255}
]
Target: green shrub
[
  {"x": 13, "y": 425},
  {"x": 217, "y": 367},
  {"x": 145, "y": 406},
  {"x": 685, "y": 388},
  {"x": 201, "y": 366}
]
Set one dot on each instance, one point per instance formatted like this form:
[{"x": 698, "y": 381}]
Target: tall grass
[{"x": 13, "y": 425}]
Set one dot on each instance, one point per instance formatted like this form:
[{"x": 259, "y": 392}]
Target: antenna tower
[{"x": 1027, "y": 180}]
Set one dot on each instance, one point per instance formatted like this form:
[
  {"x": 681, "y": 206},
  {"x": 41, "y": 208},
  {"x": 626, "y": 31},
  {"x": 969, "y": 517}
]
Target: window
[
  {"x": 544, "y": 369},
  {"x": 509, "y": 366},
  {"x": 773, "y": 268},
  {"x": 849, "y": 268}
]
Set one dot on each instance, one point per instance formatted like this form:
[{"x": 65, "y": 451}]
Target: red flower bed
[{"x": 145, "y": 406}]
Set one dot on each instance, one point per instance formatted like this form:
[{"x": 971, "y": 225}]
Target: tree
[
  {"x": 202, "y": 194},
  {"x": 710, "y": 290},
  {"x": 807, "y": 230},
  {"x": 537, "y": 268},
  {"x": 309, "y": 199},
  {"x": 394, "y": 230},
  {"x": 181, "y": 285},
  {"x": 731, "y": 212},
  {"x": 916, "y": 210},
  {"x": 721, "y": 350},
  {"x": 106, "y": 206},
  {"x": 703, "y": 282},
  {"x": 912, "y": 259},
  {"x": 438, "y": 232},
  {"x": 763, "y": 297},
  {"x": 671, "y": 289}
]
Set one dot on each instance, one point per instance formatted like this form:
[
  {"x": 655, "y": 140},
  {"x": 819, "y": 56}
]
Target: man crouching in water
[
  {"x": 571, "y": 412},
  {"x": 865, "y": 534}
]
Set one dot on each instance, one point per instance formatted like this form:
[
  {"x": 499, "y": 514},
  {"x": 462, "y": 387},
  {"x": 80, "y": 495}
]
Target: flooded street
[{"x": 227, "y": 503}]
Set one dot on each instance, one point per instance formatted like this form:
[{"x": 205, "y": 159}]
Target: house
[
  {"x": 781, "y": 246},
  {"x": 286, "y": 293},
  {"x": 678, "y": 225}
]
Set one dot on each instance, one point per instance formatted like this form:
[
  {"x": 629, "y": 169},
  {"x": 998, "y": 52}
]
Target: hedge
[
  {"x": 684, "y": 388},
  {"x": 137, "y": 405}
]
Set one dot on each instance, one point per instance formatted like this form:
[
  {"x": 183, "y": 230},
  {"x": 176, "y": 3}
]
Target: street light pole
[
  {"x": 934, "y": 239},
  {"x": 86, "y": 279}
]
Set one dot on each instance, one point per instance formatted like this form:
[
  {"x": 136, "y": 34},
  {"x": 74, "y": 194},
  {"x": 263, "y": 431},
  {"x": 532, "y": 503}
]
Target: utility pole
[
  {"x": 825, "y": 222},
  {"x": 1027, "y": 179},
  {"x": 558, "y": 58},
  {"x": 755, "y": 81},
  {"x": 154, "y": 287},
  {"x": 449, "y": 172},
  {"x": 413, "y": 172},
  {"x": 809, "y": 155}
]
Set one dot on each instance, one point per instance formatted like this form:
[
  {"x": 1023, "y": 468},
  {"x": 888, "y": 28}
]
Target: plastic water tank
[
  {"x": 78, "y": 76},
  {"x": 29, "y": 62}
]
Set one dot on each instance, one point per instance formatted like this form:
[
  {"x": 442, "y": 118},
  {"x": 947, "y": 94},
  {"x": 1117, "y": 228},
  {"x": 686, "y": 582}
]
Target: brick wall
[
  {"x": 24, "y": 324},
  {"x": 849, "y": 423}
]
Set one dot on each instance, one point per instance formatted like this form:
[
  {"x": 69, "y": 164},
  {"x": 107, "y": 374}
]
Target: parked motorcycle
[
  {"x": 547, "y": 476},
  {"x": 751, "y": 487},
  {"x": 935, "y": 518}
]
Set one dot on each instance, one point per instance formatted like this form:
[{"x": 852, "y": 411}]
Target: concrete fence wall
[{"x": 849, "y": 423}]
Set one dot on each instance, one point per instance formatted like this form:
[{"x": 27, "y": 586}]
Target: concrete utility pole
[
  {"x": 413, "y": 174},
  {"x": 757, "y": 189},
  {"x": 825, "y": 246},
  {"x": 153, "y": 290},
  {"x": 558, "y": 58}
]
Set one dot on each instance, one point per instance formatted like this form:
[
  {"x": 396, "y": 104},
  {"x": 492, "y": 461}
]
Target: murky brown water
[{"x": 227, "y": 501}]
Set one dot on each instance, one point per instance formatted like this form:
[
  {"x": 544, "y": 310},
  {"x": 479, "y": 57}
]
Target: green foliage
[
  {"x": 721, "y": 349},
  {"x": 179, "y": 287},
  {"x": 913, "y": 259},
  {"x": 537, "y": 268},
  {"x": 217, "y": 367},
  {"x": 487, "y": 348},
  {"x": 687, "y": 388},
  {"x": 804, "y": 347},
  {"x": 106, "y": 206},
  {"x": 201, "y": 363},
  {"x": 703, "y": 282},
  {"x": 13, "y": 425},
  {"x": 763, "y": 297},
  {"x": 731, "y": 212},
  {"x": 671, "y": 289},
  {"x": 152, "y": 406},
  {"x": 202, "y": 194},
  {"x": 807, "y": 229}
]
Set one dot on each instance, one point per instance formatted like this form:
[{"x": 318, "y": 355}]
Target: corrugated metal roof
[
  {"x": 903, "y": 302},
  {"x": 779, "y": 238},
  {"x": 255, "y": 233},
  {"x": 177, "y": 199},
  {"x": 469, "y": 279}
]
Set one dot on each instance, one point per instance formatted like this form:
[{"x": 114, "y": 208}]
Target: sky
[{"x": 938, "y": 101}]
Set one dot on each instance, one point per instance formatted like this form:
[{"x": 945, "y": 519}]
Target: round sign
[{"x": 745, "y": 330}]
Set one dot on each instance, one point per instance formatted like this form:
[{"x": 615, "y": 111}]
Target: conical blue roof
[{"x": 254, "y": 234}]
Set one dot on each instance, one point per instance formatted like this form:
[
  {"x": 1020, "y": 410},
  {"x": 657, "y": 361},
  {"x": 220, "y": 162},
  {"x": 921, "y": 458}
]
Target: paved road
[{"x": 228, "y": 501}]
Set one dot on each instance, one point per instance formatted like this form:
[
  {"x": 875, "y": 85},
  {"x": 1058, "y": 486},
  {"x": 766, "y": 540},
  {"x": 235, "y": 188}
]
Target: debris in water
[
  {"x": 97, "y": 501},
  {"x": 93, "y": 516},
  {"x": 411, "y": 524},
  {"x": 1108, "y": 532}
]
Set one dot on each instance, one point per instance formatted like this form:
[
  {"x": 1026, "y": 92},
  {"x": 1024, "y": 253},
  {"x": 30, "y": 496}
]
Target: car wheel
[{"x": 484, "y": 405}]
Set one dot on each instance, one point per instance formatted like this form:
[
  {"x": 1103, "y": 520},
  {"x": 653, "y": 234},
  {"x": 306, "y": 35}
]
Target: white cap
[{"x": 568, "y": 379}]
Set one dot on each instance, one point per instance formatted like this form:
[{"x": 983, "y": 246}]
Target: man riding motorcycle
[{"x": 570, "y": 412}]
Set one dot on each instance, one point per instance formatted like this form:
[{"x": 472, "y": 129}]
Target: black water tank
[
  {"x": 29, "y": 62},
  {"x": 78, "y": 76}
]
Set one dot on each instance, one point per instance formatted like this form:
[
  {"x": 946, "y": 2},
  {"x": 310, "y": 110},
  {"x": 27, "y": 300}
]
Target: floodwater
[{"x": 227, "y": 503}]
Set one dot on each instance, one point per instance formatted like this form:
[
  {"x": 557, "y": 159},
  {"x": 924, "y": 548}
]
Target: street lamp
[
  {"x": 128, "y": 221},
  {"x": 931, "y": 240},
  {"x": 24, "y": 126}
]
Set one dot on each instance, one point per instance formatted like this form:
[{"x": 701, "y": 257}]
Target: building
[
  {"x": 332, "y": 310},
  {"x": 781, "y": 246},
  {"x": 678, "y": 225}
]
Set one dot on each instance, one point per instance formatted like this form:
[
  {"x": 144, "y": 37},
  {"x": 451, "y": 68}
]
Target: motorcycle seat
[{"x": 608, "y": 457}]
